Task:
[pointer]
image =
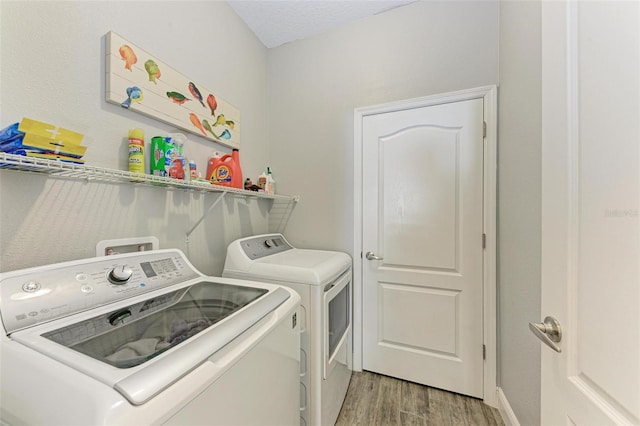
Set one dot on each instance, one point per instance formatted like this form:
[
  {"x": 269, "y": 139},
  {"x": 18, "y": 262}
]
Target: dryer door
[{"x": 337, "y": 322}]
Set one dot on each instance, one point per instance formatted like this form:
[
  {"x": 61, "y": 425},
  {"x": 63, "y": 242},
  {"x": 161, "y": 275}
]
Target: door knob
[
  {"x": 548, "y": 331},
  {"x": 371, "y": 256}
]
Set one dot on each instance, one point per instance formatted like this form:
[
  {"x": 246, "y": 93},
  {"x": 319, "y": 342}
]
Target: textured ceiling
[{"x": 276, "y": 22}]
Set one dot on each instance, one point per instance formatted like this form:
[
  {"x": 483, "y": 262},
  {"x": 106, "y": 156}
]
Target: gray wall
[
  {"x": 519, "y": 151},
  {"x": 296, "y": 104},
  {"x": 53, "y": 70},
  {"x": 425, "y": 48}
]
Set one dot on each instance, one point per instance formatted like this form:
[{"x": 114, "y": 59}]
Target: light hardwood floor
[{"x": 373, "y": 399}]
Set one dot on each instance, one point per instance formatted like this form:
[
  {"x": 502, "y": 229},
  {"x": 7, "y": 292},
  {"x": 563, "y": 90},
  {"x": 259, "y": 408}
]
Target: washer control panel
[
  {"x": 264, "y": 245},
  {"x": 36, "y": 295}
]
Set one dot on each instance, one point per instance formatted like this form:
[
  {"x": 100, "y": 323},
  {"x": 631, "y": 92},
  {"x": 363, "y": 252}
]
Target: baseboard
[{"x": 508, "y": 416}]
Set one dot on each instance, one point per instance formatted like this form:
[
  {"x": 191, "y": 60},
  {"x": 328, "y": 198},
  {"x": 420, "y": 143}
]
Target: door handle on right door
[
  {"x": 371, "y": 256},
  {"x": 548, "y": 331}
]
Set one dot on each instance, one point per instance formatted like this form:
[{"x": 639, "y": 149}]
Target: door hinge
[
  {"x": 484, "y": 241},
  {"x": 484, "y": 352},
  {"x": 484, "y": 129}
]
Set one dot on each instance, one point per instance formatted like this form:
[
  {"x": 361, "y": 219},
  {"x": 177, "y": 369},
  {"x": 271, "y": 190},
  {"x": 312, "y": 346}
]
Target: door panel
[
  {"x": 420, "y": 305},
  {"x": 418, "y": 221},
  {"x": 590, "y": 220},
  {"x": 423, "y": 214}
]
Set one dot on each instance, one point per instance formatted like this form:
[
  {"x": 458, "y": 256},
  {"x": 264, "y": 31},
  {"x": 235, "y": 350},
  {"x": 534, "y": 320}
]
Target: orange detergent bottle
[{"x": 225, "y": 170}]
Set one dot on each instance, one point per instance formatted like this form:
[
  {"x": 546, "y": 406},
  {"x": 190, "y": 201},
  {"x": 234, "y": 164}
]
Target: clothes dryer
[{"x": 323, "y": 279}]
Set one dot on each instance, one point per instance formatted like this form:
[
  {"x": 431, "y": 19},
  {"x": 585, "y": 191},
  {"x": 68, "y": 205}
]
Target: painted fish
[
  {"x": 177, "y": 97},
  {"x": 220, "y": 120},
  {"x": 134, "y": 94},
  {"x": 195, "y": 92},
  {"x": 231, "y": 124},
  {"x": 153, "y": 70},
  {"x": 128, "y": 55},
  {"x": 196, "y": 122},
  {"x": 207, "y": 126},
  {"x": 213, "y": 104}
]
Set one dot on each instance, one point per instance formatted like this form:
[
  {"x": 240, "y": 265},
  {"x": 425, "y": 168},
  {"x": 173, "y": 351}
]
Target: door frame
[{"x": 489, "y": 95}]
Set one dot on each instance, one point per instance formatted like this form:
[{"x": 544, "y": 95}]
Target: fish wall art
[{"x": 142, "y": 83}]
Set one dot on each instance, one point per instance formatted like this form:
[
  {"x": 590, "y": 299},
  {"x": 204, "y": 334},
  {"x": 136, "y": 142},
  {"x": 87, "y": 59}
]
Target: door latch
[
  {"x": 371, "y": 256},
  {"x": 548, "y": 331}
]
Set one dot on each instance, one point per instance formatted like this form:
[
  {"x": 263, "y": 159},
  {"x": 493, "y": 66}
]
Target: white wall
[
  {"x": 314, "y": 85},
  {"x": 53, "y": 70},
  {"x": 519, "y": 190}
]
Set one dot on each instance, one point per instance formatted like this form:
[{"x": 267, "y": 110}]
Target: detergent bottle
[
  {"x": 236, "y": 179},
  {"x": 212, "y": 163},
  {"x": 226, "y": 170}
]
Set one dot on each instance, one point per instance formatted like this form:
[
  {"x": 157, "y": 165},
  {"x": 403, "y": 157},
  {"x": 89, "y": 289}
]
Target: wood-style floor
[{"x": 373, "y": 399}]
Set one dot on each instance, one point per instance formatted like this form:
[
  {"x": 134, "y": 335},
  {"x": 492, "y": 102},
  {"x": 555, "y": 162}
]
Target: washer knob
[
  {"x": 268, "y": 243},
  {"x": 31, "y": 286},
  {"x": 120, "y": 275}
]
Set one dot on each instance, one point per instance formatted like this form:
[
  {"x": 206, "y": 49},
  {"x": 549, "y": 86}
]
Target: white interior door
[
  {"x": 422, "y": 215},
  {"x": 590, "y": 219}
]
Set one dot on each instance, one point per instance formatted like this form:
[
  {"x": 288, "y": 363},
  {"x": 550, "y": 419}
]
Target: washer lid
[
  {"x": 313, "y": 267},
  {"x": 114, "y": 357}
]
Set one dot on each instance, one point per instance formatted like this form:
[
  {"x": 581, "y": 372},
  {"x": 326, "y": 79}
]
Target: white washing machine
[
  {"x": 324, "y": 280},
  {"x": 144, "y": 338}
]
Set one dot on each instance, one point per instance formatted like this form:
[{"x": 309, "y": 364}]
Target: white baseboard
[{"x": 508, "y": 416}]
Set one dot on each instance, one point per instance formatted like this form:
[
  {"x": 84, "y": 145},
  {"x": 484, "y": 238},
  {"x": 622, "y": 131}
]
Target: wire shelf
[{"x": 92, "y": 173}]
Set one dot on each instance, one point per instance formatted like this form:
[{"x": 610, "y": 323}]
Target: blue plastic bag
[{"x": 11, "y": 138}]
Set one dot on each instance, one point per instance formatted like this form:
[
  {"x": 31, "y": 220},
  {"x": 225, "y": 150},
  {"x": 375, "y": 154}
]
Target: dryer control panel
[
  {"x": 36, "y": 295},
  {"x": 264, "y": 245}
]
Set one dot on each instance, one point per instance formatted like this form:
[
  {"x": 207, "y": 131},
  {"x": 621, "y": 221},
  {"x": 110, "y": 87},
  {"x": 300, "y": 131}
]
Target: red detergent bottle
[{"x": 225, "y": 170}]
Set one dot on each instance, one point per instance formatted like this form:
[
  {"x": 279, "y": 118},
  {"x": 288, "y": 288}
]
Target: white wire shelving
[{"x": 91, "y": 173}]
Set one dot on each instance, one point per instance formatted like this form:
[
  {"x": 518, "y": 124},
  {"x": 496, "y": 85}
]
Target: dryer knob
[{"x": 120, "y": 275}]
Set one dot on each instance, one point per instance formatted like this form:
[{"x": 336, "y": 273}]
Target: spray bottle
[
  {"x": 136, "y": 151},
  {"x": 179, "y": 166},
  {"x": 271, "y": 183}
]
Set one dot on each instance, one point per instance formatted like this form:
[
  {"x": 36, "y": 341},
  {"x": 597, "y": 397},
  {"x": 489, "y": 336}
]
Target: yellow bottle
[{"x": 136, "y": 151}]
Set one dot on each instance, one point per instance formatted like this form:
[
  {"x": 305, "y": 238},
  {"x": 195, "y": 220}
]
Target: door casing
[{"x": 489, "y": 95}]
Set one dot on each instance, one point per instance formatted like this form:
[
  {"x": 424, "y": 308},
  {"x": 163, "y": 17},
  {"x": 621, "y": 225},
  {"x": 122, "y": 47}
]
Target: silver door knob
[
  {"x": 371, "y": 256},
  {"x": 548, "y": 331}
]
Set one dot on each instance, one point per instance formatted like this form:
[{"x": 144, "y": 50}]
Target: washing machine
[
  {"x": 323, "y": 279},
  {"x": 144, "y": 338}
]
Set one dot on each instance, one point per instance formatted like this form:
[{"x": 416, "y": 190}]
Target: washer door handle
[
  {"x": 119, "y": 317},
  {"x": 371, "y": 256}
]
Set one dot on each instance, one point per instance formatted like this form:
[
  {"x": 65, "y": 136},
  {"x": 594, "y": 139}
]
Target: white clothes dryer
[
  {"x": 144, "y": 338},
  {"x": 323, "y": 279}
]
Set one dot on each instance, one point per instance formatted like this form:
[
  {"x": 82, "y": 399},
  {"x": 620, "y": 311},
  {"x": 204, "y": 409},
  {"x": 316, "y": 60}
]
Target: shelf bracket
[{"x": 209, "y": 210}]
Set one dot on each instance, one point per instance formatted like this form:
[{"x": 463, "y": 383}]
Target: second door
[{"x": 422, "y": 231}]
